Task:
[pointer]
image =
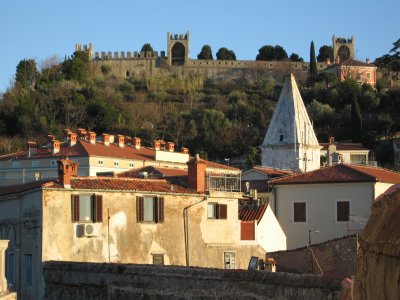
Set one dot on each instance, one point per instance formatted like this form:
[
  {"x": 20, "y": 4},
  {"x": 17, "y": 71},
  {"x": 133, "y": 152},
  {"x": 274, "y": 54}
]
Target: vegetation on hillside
[{"x": 217, "y": 120}]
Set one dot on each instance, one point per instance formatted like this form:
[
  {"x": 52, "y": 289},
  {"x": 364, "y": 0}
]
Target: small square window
[
  {"x": 299, "y": 212},
  {"x": 35, "y": 163},
  {"x": 229, "y": 260},
  {"x": 281, "y": 138},
  {"x": 101, "y": 162},
  {"x": 116, "y": 163},
  {"x": 343, "y": 211},
  {"x": 158, "y": 259},
  {"x": 216, "y": 211},
  {"x": 53, "y": 163},
  {"x": 131, "y": 165}
]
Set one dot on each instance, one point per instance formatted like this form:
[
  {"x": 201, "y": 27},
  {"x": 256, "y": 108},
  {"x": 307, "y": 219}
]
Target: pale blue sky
[{"x": 42, "y": 28}]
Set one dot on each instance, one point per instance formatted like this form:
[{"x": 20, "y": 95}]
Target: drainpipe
[{"x": 186, "y": 230}]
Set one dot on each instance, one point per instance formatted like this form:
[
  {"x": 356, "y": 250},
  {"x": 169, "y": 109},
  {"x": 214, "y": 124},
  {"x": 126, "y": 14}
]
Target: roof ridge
[{"x": 117, "y": 178}]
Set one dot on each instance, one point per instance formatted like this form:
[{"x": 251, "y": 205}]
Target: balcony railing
[{"x": 225, "y": 182}]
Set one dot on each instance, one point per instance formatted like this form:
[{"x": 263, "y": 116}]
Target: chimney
[
  {"x": 197, "y": 174},
  {"x": 56, "y": 146},
  {"x": 92, "y": 137},
  {"x": 128, "y": 140},
  {"x": 121, "y": 141},
  {"x": 66, "y": 134},
  {"x": 367, "y": 61},
  {"x": 137, "y": 142},
  {"x": 184, "y": 150},
  {"x": 170, "y": 146},
  {"x": 106, "y": 139},
  {"x": 331, "y": 151},
  {"x": 72, "y": 138},
  {"x": 82, "y": 133},
  {"x": 328, "y": 61},
  {"x": 156, "y": 144},
  {"x": 31, "y": 148},
  {"x": 66, "y": 169}
]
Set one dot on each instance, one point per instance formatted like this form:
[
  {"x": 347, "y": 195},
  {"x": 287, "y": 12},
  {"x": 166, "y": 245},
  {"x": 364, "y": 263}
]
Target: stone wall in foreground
[{"x": 67, "y": 280}]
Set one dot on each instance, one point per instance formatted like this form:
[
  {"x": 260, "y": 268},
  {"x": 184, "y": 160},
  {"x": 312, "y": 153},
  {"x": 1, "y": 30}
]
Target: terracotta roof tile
[
  {"x": 125, "y": 184},
  {"x": 344, "y": 146},
  {"x": 340, "y": 173},
  {"x": 272, "y": 171},
  {"x": 247, "y": 214},
  {"x": 154, "y": 172}
]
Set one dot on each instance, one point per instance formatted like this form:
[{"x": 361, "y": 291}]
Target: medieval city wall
[{"x": 69, "y": 280}]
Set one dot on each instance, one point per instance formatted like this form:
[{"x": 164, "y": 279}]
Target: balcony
[{"x": 223, "y": 182}]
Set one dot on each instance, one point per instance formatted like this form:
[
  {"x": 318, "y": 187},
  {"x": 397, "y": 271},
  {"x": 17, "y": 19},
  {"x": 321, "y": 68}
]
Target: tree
[
  {"x": 266, "y": 52},
  {"x": 325, "y": 52},
  {"x": 269, "y": 52},
  {"x": 280, "y": 53},
  {"x": 295, "y": 57},
  {"x": 76, "y": 67},
  {"x": 147, "y": 48},
  {"x": 313, "y": 63},
  {"x": 225, "y": 54},
  {"x": 356, "y": 120},
  {"x": 27, "y": 73},
  {"x": 205, "y": 53}
]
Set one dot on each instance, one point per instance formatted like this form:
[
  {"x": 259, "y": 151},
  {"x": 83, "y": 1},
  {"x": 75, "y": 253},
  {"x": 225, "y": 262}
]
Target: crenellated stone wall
[{"x": 122, "y": 281}]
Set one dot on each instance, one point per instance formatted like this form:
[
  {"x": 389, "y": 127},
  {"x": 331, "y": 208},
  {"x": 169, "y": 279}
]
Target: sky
[{"x": 43, "y": 29}]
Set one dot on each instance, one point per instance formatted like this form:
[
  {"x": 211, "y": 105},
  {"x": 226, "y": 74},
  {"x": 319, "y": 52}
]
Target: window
[
  {"x": 358, "y": 158},
  {"x": 53, "y": 163},
  {"x": 10, "y": 268},
  {"x": 35, "y": 163},
  {"x": 342, "y": 211},
  {"x": 229, "y": 260},
  {"x": 101, "y": 162},
  {"x": 116, "y": 163},
  {"x": 150, "y": 209},
  {"x": 299, "y": 212},
  {"x": 368, "y": 75},
  {"x": 158, "y": 259},
  {"x": 28, "y": 269},
  {"x": 131, "y": 165},
  {"x": 15, "y": 164},
  {"x": 216, "y": 211},
  {"x": 281, "y": 138},
  {"x": 87, "y": 208}
]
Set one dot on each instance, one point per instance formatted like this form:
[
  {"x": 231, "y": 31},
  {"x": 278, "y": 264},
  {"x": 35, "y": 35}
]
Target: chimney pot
[
  {"x": 92, "y": 137},
  {"x": 82, "y": 133},
  {"x": 72, "y": 138},
  {"x": 121, "y": 141},
  {"x": 137, "y": 142},
  {"x": 156, "y": 144},
  {"x": 56, "y": 146},
  {"x": 106, "y": 139},
  {"x": 184, "y": 150},
  {"x": 31, "y": 145},
  {"x": 328, "y": 61},
  {"x": 170, "y": 146}
]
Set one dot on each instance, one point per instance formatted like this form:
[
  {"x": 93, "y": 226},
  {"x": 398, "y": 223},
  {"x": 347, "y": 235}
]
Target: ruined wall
[
  {"x": 115, "y": 281},
  {"x": 335, "y": 257},
  {"x": 378, "y": 262}
]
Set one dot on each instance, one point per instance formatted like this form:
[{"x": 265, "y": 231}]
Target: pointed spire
[{"x": 290, "y": 136}]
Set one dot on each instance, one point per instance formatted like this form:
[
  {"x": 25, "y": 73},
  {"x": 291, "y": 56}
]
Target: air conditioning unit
[{"x": 91, "y": 229}]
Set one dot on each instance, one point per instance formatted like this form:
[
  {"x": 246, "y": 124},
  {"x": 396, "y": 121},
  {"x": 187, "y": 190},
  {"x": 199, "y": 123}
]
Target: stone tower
[
  {"x": 343, "y": 49},
  {"x": 86, "y": 48},
  {"x": 178, "y": 48},
  {"x": 290, "y": 142}
]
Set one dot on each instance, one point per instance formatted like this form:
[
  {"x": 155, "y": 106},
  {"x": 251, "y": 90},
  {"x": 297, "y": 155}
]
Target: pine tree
[{"x": 313, "y": 63}]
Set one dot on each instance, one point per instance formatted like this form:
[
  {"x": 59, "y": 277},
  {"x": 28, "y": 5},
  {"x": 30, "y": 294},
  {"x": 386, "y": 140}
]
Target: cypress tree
[
  {"x": 313, "y": 62},
  {"x": 356, "y": 120}
]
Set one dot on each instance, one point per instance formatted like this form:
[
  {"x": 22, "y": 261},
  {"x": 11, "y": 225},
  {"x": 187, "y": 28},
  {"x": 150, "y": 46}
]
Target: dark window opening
[
  {"x": 299, "y": 212},
  {"x": 178, "y": 54},
  {"x": 343, "y": 211}
]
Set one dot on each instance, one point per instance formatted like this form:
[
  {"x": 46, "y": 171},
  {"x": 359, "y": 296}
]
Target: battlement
[
  {"x": 340, "y": 40},
  {"x": 178, "y": 37},
  {"x": 128, "y": 55}
]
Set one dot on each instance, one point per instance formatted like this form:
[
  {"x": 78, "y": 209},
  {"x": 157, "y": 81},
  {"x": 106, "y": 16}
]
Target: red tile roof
[
  {"x": 124, "y": 184},
  {"x": 272, "y": 171},
  {"x": 154, "y": 172},
  {"x": 341, "y": 173},
  {"x": 211, "y": 164},
  {"x": 248, "y": 214},
  {"x": 19, "y": 188},
  {"x": 344, "y": 146}
]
